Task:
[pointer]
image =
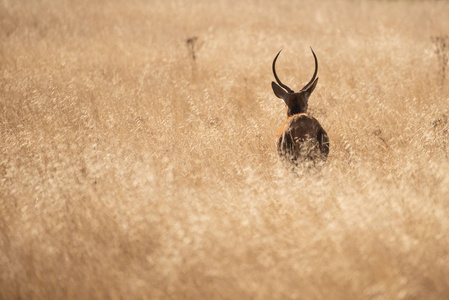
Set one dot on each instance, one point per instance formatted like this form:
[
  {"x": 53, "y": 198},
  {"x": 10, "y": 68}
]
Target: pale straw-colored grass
[{"x": 130, "y": 171}]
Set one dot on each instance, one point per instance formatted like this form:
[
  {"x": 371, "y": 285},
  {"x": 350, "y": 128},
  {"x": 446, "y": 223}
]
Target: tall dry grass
[{"x": 130, "y": 170}]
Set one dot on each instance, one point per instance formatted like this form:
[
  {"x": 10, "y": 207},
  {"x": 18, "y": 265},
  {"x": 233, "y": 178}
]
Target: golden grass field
[{"x": 131, "y": 170}]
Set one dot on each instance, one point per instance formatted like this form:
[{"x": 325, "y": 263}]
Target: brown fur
[{"x": 301, "y": 139}]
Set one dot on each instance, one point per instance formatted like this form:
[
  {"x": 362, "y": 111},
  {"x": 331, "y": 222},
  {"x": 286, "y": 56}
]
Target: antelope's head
[{"x": 296, "y": 102}]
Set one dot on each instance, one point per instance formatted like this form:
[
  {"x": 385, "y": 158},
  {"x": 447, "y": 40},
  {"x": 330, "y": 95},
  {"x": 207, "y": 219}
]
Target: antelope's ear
[
  {"x": 310, "y": 88},
  {"x": 278, "y": 91}
]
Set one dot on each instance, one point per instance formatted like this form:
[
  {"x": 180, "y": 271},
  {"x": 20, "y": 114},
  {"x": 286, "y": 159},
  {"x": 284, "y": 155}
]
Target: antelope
[{"x": 301, "y": 139}]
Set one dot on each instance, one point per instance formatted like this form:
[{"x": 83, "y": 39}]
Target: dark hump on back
[{"x": 303, "y": 126}]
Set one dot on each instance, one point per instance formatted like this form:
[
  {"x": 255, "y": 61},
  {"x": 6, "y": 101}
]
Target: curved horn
[
  {"x": 314, "y": 74},
  {"x": 277, "y": 78}
]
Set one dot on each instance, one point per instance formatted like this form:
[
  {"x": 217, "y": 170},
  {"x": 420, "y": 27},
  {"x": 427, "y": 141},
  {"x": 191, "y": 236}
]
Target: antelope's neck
[{"x": 294, "y": 111}]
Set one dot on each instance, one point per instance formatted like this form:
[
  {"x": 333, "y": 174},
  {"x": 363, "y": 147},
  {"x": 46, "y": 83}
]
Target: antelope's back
[{"x": 302, "y": 138}]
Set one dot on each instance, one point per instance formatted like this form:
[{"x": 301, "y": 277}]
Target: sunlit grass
[{"x": 128, "y": 170}]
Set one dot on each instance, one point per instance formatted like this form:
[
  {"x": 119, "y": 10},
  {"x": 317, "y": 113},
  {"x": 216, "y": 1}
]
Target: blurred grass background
[{"x": 138, "y": 161}]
